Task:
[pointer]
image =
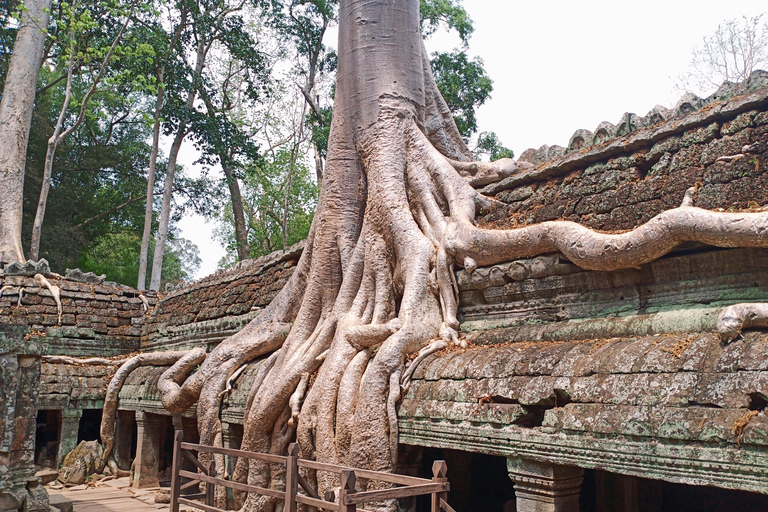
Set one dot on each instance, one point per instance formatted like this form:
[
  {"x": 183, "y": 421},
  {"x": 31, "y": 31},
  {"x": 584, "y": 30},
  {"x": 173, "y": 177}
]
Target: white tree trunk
[
  {"x": 143, "y": 255},
  {"x": 165, "y": 208},
  {"x": 16, "y": 108}
]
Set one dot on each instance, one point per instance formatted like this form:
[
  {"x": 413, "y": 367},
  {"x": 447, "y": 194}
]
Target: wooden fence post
[
  {"x": 175, "y": 468},
  {"x": 210, "y": 489},
  {"x": 348, "y": 480},
  {"x": 439, "y": 471},
  {"x": 291, "y": 477}
]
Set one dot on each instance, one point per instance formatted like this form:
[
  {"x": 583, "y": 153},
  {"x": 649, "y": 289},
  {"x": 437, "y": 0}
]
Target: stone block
[{"x": 60, "y": 502}]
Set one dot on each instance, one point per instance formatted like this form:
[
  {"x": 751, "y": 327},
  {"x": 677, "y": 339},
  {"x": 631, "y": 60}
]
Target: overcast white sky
[{"x": 558, "y": 66}]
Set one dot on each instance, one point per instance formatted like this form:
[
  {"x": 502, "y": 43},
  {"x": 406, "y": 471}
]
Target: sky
[{"x": 559, "y": 66}]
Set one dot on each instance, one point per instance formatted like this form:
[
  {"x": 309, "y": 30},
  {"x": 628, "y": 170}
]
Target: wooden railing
[{"x": 348, "y": 499}]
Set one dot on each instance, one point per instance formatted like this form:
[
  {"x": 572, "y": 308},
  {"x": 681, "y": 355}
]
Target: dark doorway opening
[
  {"x": 47, "y": 438},
  {"x": 478, "y": 481},
  {"x": 126, "y": 439},
  {"x": 90, "y": 425},
  {"x": 611, "y": 492}
]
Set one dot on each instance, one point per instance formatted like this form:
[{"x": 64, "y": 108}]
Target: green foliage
[
  {"x": 117, "y": 256},
  {"x": 321, "y": 131},
  {"x": 100, "y": 167},
  {"x": 264, "y": 196},
  {"x": 464, "y": 86},
  {"x": 488, "y": 144},
  {"x": 449, "y": 13}
]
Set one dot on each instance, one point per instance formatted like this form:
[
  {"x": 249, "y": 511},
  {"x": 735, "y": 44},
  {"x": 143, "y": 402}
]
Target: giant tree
[
  {"x": 15, "y": 118},
  {"x": 375, "y": 281}
]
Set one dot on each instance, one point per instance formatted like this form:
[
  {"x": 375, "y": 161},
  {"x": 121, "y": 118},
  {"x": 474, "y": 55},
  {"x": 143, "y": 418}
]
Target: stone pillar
[
  {"x": 20, "y": 489},
  {"x": 150, "y": 430},
  {"x": 543, "y": 487},
  {"x": 70, "y": 424}
]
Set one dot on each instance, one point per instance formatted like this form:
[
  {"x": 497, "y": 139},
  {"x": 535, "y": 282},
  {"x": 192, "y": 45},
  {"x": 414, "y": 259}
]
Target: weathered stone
[{"x": 81, "y": 462}]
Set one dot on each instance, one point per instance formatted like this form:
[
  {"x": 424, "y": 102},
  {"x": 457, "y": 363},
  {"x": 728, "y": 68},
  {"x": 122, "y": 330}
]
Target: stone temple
[{"x": 581, "y": 390}]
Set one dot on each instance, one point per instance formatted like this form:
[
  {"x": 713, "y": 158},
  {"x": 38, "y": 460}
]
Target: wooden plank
[
  {"x": 201, "y": 506},
  {"x": 235, "y": 485},
  {"x": 439, "y": 472},
  {"x": 348, "y": 480},
  {"x": 187, "y": 485},
  {"x": 267, "y": 457},
  {"x": 194, "y": 461},
  {"x": 175, "y": 468},
  {"x": 307, "y": 488},
  {"x": 210, "y": 488},
  {"x": 313, "y": 502},
  {"x": 291, "y": 477},
  {"x": 392, "y": 478},
  {"x": 445, "y": 507},
  {"x": 397, "y": 492}
]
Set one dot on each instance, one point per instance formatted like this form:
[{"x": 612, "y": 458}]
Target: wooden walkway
[{"x": 106, "y": 499}]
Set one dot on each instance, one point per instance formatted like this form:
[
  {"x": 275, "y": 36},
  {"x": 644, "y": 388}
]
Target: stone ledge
[{"x": 742, "y": 468}]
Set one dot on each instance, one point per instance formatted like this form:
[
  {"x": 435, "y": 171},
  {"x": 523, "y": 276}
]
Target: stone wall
[
  {"x": 661, "y": 406},
  {"x": 97, "y": 318},
  {"x": 19, "y": 385},
  {"x": 622, "y": 182},
  {"x": 618, "y": 371},
  {"x": 219, "y": 305},
  {"x": 94, "y": 318}
]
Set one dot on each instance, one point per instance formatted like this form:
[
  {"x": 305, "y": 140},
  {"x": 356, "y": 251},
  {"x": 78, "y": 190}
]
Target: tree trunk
[
  {"x": 376, "y": 279},
  {"x": 241, "y": 229},
  {"x": 143, "y": 254},
  {"x": 16, "y": 108},
  {"x": 58, "y": 136},
  {"x": 165, "y": 208},
  {"x": 53, "y": 142}
]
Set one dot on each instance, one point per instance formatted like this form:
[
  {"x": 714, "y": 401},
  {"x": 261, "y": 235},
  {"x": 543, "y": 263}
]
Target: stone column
[
  {"x": 70, "y": 424},
  {"x": 150, "y": 430},
  {"x": 20, "y": 489},
  {"x": 543, "y": 487}
]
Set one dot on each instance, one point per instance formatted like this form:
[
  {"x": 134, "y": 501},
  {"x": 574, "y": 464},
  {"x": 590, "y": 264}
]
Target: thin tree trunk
[
  {"x": 143, "y": 254},
  {"x": 53, "y": 142},
  {"x": 241, "y": 230},
  {"x": 57, "y": 137},
  {"x": 165, "y": 208},
  {"x": 16, "y": 108},
  {"x": 318, "y": 164}
]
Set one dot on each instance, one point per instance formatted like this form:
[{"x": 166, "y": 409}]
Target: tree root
[
  {"x": 434, "y": 346},
  {"x": 109, "y": 414},
  {"x": 96, "y": 361},
  {"x": 376, "y": 281},
  {"x": 733, "y": 319},
  {"x": 55, "y": 292},
  {"x": 479, "y": 174}
]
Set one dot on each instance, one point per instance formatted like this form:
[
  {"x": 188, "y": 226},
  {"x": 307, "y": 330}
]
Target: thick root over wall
[{"x": 376, "y": 281}]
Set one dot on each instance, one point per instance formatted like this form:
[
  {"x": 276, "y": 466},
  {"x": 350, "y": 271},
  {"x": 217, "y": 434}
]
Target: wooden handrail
[{"x": 348, "y": 499}]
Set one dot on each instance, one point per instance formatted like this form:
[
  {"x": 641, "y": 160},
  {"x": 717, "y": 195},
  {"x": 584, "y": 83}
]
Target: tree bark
[
  {"x": 144, "y": 251},
  {"x": 241, "y": 228},
  {"x": 16, "y": 108},
  {"x": 376, "y": 279},
  {"x": 165, "y": 208}
]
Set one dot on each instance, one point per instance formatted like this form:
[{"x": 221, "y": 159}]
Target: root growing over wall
[{"x": 376, "y": 281}]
